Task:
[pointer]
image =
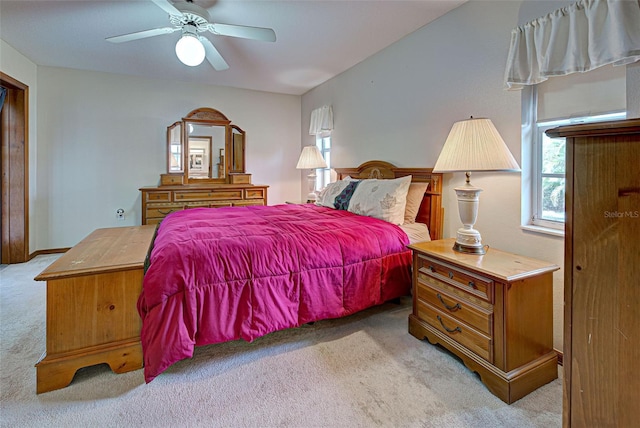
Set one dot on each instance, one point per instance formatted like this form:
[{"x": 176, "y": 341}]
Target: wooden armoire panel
[{"x": 602, "y": 274}]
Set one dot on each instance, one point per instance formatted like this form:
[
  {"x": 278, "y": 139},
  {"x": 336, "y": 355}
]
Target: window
[
  {"x": 548, "y": 175},
  {"x": 323, "y": 142}
]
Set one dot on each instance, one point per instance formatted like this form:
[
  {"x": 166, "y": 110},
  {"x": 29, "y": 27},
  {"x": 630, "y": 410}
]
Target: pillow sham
[
  {"x": 327, "y": 196},
  {"x": 383, "y": 199},
  {"x": 414, "y": 199},
  {"x": 342, "y": 200}
]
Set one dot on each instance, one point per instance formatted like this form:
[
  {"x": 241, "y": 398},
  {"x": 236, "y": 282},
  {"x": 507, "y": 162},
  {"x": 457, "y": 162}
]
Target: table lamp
[
  {"x": 311, "y": 158},
  {"x": 473, "y": 145}
]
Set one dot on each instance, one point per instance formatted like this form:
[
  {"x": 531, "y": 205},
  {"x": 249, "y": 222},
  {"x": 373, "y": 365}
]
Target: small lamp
[
  {"x": 473, "y": 145},
  {"x": 311, "y": 158},
  {"x": 189, "y": 48}
]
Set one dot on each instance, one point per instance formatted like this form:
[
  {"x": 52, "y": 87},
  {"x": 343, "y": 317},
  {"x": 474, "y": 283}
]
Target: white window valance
[
  {"x": 577, "y": 38},
  {"x": 321, "y": 121}
]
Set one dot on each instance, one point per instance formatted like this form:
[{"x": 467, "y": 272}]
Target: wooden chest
[{"x": 92, "y": 318}]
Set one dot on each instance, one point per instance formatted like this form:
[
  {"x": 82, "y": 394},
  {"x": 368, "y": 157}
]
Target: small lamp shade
[
  {"x": 473, "y": 145},
  {"x": 311, "y": 158}
]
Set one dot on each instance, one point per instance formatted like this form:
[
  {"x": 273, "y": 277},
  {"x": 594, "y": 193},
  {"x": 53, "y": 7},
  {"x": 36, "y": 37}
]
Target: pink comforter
[{"x": 223, "y": 274}]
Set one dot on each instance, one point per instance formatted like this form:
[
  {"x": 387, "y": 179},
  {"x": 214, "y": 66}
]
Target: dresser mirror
[
  {"x": 204, "y": 147},
  {"x": 174, "y": 146},
  {"x": 237, "y": 150}
]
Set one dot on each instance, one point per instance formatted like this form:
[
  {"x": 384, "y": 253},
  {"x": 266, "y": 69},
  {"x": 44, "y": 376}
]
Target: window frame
[
  {"x": 536, "y": 218},
  {"x": 323, "y": 175}
]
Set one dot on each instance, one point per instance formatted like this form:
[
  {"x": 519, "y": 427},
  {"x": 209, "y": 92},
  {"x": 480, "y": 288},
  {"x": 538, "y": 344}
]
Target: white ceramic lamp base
[
  {"x": 468, "y": 240},
  {"x": 312, "y": 197}
]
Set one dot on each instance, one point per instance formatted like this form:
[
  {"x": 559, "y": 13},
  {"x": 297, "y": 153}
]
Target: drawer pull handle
[
  {"x": 451, "y": 308},
  {"x": 165, "y": 213},
  {"x": 472, "y": 284},
  {"x": 450, "y": 330},
  {"x": 450, "y": 275},
  {"x": 431, "y": 268}
]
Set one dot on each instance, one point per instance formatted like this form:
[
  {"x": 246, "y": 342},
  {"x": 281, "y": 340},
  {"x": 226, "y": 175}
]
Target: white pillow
[
  {"x": 328, "y": 195},
  {"x": 383, "y": 199}
]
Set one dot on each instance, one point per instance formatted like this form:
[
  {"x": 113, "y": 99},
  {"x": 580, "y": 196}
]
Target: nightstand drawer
[
  {"x": 474, "y": 316},
  {"x": 457, "y": 330},
  {"x": 466, "y": 281}
]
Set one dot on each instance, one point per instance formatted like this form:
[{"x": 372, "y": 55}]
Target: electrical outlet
[{"x": 120, "y": 214}]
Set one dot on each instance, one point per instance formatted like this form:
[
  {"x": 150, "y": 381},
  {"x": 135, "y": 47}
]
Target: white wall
[
  {"x": 17, "y": 66},
  {"x": 400, "y": 104},
  {"x": 103, "y": 136}
]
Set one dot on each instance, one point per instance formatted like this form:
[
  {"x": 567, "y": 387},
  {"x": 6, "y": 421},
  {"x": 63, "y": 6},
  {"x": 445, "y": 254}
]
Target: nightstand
[{"x": 493, "y": 311}]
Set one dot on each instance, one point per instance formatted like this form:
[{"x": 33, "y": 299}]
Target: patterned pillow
[
  {"x": 383, "y": 199},
  {"x": 327, "y": 196},
  {"x": 342, "y": 200}
]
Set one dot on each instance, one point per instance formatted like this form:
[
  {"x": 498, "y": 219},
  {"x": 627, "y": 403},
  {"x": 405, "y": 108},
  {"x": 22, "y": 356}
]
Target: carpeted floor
[{"x": 360, "y": 371}]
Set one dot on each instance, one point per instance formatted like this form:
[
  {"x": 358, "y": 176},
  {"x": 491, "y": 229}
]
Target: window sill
[{"x": 543, "y": 230}]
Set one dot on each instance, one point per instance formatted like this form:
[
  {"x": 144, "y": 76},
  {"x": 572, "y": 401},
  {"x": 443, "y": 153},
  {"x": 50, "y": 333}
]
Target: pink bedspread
[{"x": 223, "y": 274}]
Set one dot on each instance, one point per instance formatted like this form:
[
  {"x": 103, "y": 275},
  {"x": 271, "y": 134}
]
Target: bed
[{"x": 219, "y": 274}]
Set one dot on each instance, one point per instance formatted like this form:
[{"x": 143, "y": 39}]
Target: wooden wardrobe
[{"x": 602, "y": 274}]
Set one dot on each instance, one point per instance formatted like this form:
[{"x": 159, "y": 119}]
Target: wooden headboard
[{"x": 431, "y": 212}]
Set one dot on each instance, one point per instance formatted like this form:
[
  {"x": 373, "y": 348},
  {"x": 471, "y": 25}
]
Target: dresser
[
  {"x": 159, "y": 201},
  {"x": 602, "y": 274},
  {"x": 493, "y": 311},
  {"x": 92, "y": 318}
]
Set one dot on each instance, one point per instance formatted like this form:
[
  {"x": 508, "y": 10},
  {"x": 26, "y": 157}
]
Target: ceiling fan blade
[
  {"x": 141, "y": 34},
  {"x": 254, "y": 33},
  {"x": 212, "y": 55},
  {"x": 167, "y": 6}
]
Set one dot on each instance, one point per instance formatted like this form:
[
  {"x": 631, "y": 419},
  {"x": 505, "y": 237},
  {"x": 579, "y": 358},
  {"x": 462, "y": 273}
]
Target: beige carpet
[{"x": 361, "y": 371}]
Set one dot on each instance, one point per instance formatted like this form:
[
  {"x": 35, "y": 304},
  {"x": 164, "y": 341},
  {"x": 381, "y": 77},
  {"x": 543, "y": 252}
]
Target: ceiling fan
[{"x": 191, "y": 19}]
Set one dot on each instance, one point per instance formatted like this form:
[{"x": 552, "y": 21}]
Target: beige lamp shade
[
  {"x": 311, "y": 158},
  {"x": 475, "y": 145}
]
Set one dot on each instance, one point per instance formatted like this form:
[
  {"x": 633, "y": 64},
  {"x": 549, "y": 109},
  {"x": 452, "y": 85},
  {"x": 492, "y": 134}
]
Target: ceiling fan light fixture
[{"x": 190, "y": 50}]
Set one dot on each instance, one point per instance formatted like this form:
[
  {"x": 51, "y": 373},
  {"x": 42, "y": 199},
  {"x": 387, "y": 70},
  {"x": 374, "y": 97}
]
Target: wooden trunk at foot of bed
[{"x": 431, "y": 212}]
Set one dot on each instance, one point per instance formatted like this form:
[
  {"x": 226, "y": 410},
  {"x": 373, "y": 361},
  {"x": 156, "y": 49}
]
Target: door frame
[{"x": 14, "y": 163}]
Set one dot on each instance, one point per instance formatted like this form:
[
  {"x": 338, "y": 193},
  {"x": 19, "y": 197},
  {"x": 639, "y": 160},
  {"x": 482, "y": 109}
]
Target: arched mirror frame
[
  {"x": 234, "y": 148},
  {"x": 236, "y": 164},
  {"x": 175, "y": 149}
]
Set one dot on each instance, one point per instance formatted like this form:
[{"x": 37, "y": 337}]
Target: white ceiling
[{"x": 316, "y": 40}]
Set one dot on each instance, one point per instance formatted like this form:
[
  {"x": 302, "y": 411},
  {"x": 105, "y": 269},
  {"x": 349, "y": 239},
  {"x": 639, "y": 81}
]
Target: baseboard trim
[
  {"x": 50, "y": 251},
  {"x": 560, "y": 357}
]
